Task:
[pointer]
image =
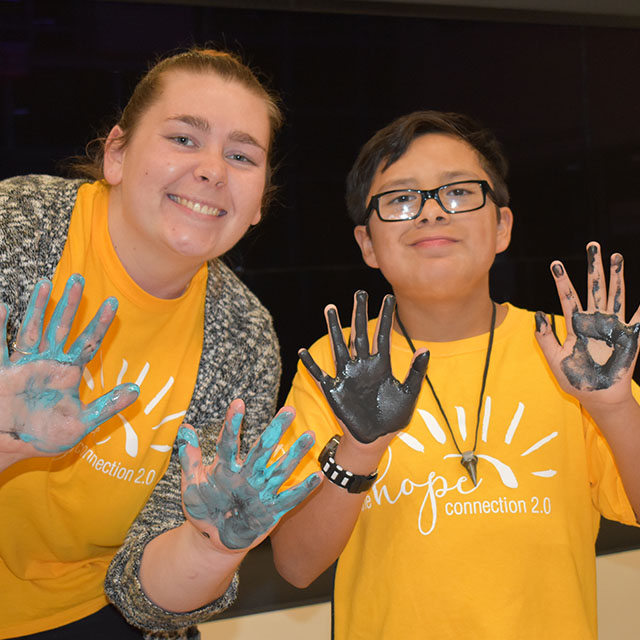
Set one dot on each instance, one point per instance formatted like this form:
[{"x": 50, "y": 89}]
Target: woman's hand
[
  {"x": 595, "y": 364},
  {"x": 40, "y": 410},
  {"x": 364, "y": 395},
  {"x": 235, "y": 502}
]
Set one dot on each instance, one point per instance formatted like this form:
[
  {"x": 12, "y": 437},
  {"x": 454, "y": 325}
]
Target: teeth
[{"x": 198, "y": 207}]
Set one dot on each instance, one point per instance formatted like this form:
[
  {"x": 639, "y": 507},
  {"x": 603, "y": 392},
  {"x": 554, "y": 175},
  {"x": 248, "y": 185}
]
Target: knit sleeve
[
  {"x": 240, "y": 359},
  {"x": 34, "y": 218}
]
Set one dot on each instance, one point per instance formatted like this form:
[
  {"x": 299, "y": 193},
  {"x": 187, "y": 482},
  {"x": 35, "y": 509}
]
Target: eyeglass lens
[{"x": 454, "y": 198}]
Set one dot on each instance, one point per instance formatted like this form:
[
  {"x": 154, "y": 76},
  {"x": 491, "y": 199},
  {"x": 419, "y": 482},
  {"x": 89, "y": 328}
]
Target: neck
[
  {"x": 152, "y": 271},
  {"x": 157, "y": 278},
  {"x": 448, "y": 320}
]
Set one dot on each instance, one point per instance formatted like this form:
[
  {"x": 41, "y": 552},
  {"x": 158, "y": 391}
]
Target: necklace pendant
[{"x": 470, "y": 463}]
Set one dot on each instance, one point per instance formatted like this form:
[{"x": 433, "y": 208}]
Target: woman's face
[{"x": 190, "y": 182}]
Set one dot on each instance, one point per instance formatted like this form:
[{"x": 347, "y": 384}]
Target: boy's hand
[
  {"x": 596, "y": 361},
  {"x": 364, "y": 395}
]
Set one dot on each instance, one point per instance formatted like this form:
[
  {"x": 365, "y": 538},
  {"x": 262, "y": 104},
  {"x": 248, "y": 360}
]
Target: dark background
[{"x": 561, "y": 92}]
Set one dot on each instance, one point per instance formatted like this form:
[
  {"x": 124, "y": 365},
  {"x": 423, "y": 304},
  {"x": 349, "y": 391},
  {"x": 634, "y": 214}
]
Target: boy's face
[{"x": 438, "y": 255}]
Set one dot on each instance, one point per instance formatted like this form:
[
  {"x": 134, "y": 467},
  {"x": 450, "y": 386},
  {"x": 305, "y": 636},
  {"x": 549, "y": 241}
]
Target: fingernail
[
  {"x": 188, "y": 436},
  {"x": 557, "y": 270}
]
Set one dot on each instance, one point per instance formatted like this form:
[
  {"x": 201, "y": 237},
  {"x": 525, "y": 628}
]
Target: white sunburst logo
[
  {"x": 131, "y": 444},
  {"x": 506, "y": 473},
  {"x": 437, "y": 487}
]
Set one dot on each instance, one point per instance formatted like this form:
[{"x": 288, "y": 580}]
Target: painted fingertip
[
  {"x": 112, "y": 302},
  {"x": 361, "y": 295},
  {"x": 43, "y": 282},
  {"x": 131, "y": 387},
  {"x": 314, "y": 480},
  {"x": 186, "y": 436},
  {"x": 287, "y": 415},
  {"x": 557, "y": 269},
  {"x": 307, "y": 439},
  {"x": 617, "y": 261},
  {"x": 75, "y": 278},
  {"x": 541, "y": 322},
  {"x": 422, "y": 360},
  {"x": 389, "y": 300}
]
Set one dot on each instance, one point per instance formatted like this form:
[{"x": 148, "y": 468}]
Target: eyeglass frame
[{"x": 430, "y": 194}]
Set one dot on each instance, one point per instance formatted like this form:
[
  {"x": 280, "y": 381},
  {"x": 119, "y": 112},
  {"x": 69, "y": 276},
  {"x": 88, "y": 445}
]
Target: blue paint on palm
[
  {"x": 241, "y": 499},
  {"x": 39, "y": 396},
  {"x": 47, "y": 412}
]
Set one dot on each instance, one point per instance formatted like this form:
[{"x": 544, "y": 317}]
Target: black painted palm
[
  {"x": 600, "y": 349},
  {"x": 364, "y": 395}
]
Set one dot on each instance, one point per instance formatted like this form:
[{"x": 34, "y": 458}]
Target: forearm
[
  {"x": 181, "y": 570},
  {"x": 620, "y": 425},
  {"x": 309, "y": 540}
]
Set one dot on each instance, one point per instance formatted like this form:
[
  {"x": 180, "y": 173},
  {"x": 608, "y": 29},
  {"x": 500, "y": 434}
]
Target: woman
[{"x": 184, "y": 174}]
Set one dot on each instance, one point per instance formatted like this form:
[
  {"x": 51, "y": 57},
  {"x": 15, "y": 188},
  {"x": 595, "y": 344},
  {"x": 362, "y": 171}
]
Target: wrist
[
  {"x": 359, "y": 457},
  {"x": 206, "y": 544},
  {"x": 604, "y": 411}
]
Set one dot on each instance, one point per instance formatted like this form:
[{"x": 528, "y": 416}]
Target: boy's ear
[
  {"x": 503, "y": 229},
  {"x": 361, "y": 234},
  {"x": 114, "y": 154}
]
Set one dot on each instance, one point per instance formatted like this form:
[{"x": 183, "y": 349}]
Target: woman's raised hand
[
  {"x": 238, "y": 502},
  {"x": 40, "y": 410}
]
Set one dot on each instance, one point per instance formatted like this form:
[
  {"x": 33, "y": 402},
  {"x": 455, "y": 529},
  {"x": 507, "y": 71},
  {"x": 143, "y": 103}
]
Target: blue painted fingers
[
  {"x": 364, "y": 395},
  {"x": 241, "y": 500},
  {"x": 39, "y": 402}
]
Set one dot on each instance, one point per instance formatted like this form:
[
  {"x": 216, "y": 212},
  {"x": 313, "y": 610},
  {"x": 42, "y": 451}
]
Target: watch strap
[{"x": 340, "y": 476}]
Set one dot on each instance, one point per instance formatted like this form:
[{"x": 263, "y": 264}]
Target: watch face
[{"x": 329, "y": 449}]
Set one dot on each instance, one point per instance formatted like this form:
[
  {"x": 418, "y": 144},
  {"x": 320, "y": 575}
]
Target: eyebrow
[
  {"x": 246, "y": 138},
  {"x": 203, "y": 125},
  {"x": 446, "y": 177},
  {"x": 193, "y": 121}
]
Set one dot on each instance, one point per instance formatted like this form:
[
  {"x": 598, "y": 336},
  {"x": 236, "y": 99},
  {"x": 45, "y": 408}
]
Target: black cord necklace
[{"x": 469, "y": 459}]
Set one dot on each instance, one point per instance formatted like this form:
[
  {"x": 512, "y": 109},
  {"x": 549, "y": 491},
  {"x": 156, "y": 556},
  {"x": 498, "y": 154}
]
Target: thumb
[
  {"x": 546, "y": 338},
  {"x": 417, "y": 372}
]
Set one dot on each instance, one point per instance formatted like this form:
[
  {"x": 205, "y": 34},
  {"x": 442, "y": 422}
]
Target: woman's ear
[
  {"x": 361, "y": 234},
  {"x": 113, "y": 156},
  {"x": 257, "y": 217},
  {"x": 503, "y": 229}
]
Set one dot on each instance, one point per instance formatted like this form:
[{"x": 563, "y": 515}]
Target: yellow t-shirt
[
  {"x": 431, "y": 555},
  {"x": 64, "y": 518}
]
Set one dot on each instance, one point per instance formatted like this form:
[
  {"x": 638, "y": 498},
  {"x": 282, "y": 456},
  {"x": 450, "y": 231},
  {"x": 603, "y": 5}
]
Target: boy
[{"x": 482, "y": 518}]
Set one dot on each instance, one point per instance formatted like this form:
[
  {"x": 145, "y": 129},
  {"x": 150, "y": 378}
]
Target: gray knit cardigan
[{"x": 240, "y": 359}]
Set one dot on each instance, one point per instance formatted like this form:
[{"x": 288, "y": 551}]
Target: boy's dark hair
[{"x": 390, "y": 143}]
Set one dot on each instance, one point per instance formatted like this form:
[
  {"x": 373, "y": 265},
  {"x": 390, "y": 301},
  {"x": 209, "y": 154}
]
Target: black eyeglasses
[{"x": 407, "y": 204}]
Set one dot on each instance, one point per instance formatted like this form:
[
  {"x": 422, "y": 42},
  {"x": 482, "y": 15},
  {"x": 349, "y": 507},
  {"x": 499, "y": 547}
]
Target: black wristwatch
[{"x": 352, "y": 482}]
